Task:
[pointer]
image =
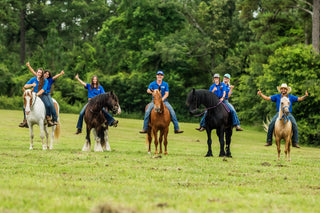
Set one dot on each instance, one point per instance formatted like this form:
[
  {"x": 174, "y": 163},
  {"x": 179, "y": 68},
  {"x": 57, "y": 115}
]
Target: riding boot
[
  {"x": 49, "y": 121},
  {"x": 24, "y": 123}
]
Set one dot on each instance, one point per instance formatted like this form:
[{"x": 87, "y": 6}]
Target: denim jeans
[
  {"x": 53, "y": 109},
  {"x": 295, "y": 136},
  {"x": 235, "y": 119},
  {"x": 45, "y": 100},
  {"x": 203, "y": 120},
  {"x": 171, "y": 111},
  {"x": 106, "y": 114}
]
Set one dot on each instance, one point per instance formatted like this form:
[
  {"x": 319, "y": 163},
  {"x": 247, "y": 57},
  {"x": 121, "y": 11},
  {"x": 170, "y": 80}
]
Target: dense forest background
[{"x": 261, "y": 43}]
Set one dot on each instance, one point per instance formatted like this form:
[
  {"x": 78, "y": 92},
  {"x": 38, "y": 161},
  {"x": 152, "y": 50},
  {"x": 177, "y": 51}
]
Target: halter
[
  {"x": 227, "y": 108},
  {"x": 284, "y": 116}
]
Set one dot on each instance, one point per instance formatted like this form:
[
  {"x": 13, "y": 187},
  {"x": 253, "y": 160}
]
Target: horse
[
  {"x": 159, "y": 121},
  {"x": 96, "y": 121},
  {"x": 217, "y": 117},
  {"x": 36, "y": 114},
  {"x": 283, "y": 127}
]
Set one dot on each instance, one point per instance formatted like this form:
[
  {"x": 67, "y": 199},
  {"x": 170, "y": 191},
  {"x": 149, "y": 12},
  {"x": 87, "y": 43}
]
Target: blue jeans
[
  {"x": 171, "y": 111},
  {"x": 235, "y": 119},
  {"x": 106, "y": 114},
  {"x": 295, "y": 136},
  {"x": 53, "y": 109},
  {"x": 45, "y": 100}
]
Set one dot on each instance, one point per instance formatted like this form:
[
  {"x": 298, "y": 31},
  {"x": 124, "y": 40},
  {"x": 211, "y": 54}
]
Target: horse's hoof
[
  {"x": 51, "y": 148},
  {"x": 31, "y": 148},
  {"x": 209, "y": 155}
]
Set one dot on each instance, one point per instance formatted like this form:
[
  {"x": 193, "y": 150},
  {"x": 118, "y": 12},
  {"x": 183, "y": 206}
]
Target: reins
[
  {"x": 213, "y": 108},
  {"x": 284, "y": 116}
]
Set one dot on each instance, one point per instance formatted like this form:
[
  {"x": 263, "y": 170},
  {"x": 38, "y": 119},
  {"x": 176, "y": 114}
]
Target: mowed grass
[{"x": 128, "y": 179}]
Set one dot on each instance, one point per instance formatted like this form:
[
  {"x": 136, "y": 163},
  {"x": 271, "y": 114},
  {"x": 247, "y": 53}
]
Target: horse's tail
[
  {"x": 266, "y": 124},
  {"x": 57, "y": 130}
]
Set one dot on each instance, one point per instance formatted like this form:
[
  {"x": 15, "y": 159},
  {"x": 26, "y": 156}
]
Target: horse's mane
[
  {"x": 101, "y": 100},
  {"x": 204, "y": 97}
]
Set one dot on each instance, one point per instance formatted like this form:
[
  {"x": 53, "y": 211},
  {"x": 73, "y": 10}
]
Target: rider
[
  {"x": 48, "y": 76},
  {"x": 164, "y": 93},
  {"x": 94, "y": 89},
  {"x": 220, "y": 89},
  {"x": 40, "y": 84},
  {"x": 229, "y": 88},
  {"x": 284, "y": 91}
]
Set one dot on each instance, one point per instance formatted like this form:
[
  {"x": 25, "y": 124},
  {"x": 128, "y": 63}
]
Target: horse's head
[
  {"x": 114, "y": 103},
  {"x": 192, "y": 102},
  {"x": 284, "y": 105},
  {"x": 27, "y": 99},
  {"x": 157, "y": 99}
]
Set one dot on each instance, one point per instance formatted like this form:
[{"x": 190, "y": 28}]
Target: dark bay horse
[
  {"x": 96, "y": 121},
  {"x": 217, "y": 117},
  {"x": 159, "y": 121}
]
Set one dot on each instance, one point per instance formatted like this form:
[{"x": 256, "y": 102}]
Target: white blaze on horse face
[
  {"x": 27, "y": 99},
  {"x": 119, "y": 110},
  {"x": 157, "y": 100}
]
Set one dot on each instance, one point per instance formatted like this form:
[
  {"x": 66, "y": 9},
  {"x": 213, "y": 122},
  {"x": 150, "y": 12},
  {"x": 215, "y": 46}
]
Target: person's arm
[
  {"x": 30, "y": 85},
  {"x": 58, "y": 75},
  {"x": 303, "y": 97},
  {"x": 40, "y": 92},
  {"x": 166, "y": 95},
  {"x": 264, "y": 96},
  {"x": 81, "y": 82},
  {"x": 230, "y": 91},
  {"x": 30, "y": 68},
  {"x": 223, "y": 96}
]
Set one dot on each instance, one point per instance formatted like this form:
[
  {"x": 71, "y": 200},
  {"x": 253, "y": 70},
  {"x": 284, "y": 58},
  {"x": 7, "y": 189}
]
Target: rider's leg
[
  {"x": 80, "y": 119},
  {"x": 271, "y": 128},
  {"x": 53, "y": 109},
  {"x": 45, "y": 100},
  {"x": 111, "y": 121},
  {"x": 173, "y": 117},
  {"x": 235, "y": 119},
  {"x": 295, "y": 136},
  {"x": 146, "y": 117}
]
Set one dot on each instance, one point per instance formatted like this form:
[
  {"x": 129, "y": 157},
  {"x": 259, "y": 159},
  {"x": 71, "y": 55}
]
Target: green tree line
[{"x": 261, "y": 44}]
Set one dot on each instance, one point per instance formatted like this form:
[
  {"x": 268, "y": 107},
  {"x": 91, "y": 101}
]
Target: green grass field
[{"x": 128, "y": 179}]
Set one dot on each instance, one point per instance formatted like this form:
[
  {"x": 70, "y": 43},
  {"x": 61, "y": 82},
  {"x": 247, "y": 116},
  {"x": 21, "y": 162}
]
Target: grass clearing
[{"x": 128, "y": 179}]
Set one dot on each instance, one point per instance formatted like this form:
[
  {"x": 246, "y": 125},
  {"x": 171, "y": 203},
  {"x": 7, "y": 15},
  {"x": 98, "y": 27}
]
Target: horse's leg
[
  {"x": 97, "y": 139},
  {"x": 87, "y": 145},
  {"x": 41, "y": 125},
  {"x": 46, "y": 132},
  {"x": 220, "y": 134},
  {"x": 165, "y": 142},
  {"x": 160, "y": 140},
  {"x": 31, "y": 135},
  {"x": 228, "y": 141},
  {"x": 52, "y": 136},
  {"x": 278, "y": 146},
  {"x": 106, "y": 139},
  {"x": 209, "y": 142},
  {"x": 155, "y": 140},
  {"x": 289, "y": 148},
  {"x": 149, "y": 139}
]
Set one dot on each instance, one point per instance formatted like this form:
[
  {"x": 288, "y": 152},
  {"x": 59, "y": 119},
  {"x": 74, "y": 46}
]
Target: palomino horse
[
  {"x": 35, "y": 114},
  {"x": 96, "y": 121},
  {"x": 159, "y": 120},
  {"x": 283, "y": 127},
  {"x": 217, "y": 117}
]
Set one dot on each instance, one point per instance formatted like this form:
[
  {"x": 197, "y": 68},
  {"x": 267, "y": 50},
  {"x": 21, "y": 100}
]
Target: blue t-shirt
[
  {"x": 164, "y": 87},
  {"x": 94, "y": 92},
  {"x": 35, "y": 80},
  {"x": 277, "y": 98},
  {"x": 218, "y": 92},
  {"x": 50, "y": 82},
  {"x": 227, "y": 91}
]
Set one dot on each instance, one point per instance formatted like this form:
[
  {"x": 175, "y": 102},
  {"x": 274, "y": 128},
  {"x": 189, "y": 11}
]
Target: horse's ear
[
  {"x": 159, "y": 88},
  {"x": 32, "y": 89},
  {"x": 193, "y": 90},
  {"x": 23, "y": 89},
  {"x": 151, "y": 90}
]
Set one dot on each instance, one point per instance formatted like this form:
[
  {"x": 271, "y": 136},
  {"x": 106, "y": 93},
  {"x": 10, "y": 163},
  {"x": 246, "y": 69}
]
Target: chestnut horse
[
  {"x": 283, "y": 127},
  {"x": 159, "y": 121},
  {"x": 35, "y": 114},
  {"x": 96, "y": 121}
]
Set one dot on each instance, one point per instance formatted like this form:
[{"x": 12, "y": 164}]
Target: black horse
[
  {"x": 95, "y": 119},
  {"x": 217, "y": 117}
]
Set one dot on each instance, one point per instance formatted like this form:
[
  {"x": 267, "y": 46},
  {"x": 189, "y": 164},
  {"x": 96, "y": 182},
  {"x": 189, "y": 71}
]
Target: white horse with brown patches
[{"x": 36, "y": 114}]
